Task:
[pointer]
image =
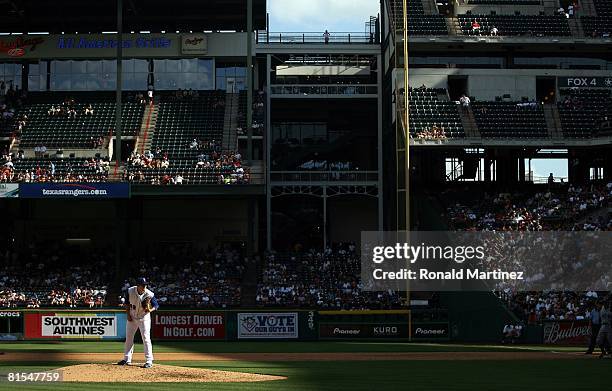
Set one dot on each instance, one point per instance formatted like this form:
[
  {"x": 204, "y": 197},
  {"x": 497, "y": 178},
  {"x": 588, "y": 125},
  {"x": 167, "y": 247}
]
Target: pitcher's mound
[{"x": 111, "y": 373}]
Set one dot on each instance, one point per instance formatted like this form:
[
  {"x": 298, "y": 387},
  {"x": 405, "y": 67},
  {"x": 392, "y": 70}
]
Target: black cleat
[
  {"x": 123, "y": 362},
  {"x": 147, "y": 365}
]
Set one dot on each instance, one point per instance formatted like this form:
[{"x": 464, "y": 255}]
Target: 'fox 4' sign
[{"x": 586, "y": 82}]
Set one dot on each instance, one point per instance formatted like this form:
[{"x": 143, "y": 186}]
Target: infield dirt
[{"x": 110, "y": 373}]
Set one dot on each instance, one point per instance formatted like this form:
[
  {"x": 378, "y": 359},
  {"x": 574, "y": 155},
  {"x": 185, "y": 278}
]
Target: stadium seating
[
  {"x": 68, "y": 170},
  {"x": 601, "y": 24},
  {"x": 179, "y": 123},
  {"x": 324, "y": 279},
  {"x": 184, "y": 276},
  {"x": 427, "y": 110},
  {"x": 418, "y": 22},
  {"x": 505, "y": 2},
  {"x": 62, "y": 132},
  {"x": 509, "y": 120},
  {"x": 517, "y": 25},
  {"x": 50, "y": 274},
  {"x": 581, "y": 111}
]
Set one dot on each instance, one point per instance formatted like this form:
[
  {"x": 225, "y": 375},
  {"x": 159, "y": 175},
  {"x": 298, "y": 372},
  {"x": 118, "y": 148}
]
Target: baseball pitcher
[{"x": 140, "y": 303}]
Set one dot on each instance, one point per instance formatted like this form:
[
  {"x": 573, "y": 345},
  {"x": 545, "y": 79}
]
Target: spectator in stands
[
  {"x": 89, "y": 110},
  {"x": 326, "y": 36},
  {"x": 72, "y": 114},
  {"x": 570, "y": 11},
  {"x": 494, "y": 31},
  {"x": 475, "y": 27},
  {"x": 435, "y": 133},
  {"x": 465, "y": 101}
]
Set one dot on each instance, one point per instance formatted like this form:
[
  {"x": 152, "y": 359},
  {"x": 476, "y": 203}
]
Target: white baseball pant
[{"x": 144, "y": 325}]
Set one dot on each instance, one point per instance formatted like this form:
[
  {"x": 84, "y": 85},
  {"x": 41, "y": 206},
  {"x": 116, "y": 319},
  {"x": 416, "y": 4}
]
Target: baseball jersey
[
  {"x": 135, "y": 301},
  {"x": 606, "y": 318}
]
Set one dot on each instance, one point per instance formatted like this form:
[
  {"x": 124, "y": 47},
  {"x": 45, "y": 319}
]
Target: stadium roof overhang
[{"x": 70, "y": 16}]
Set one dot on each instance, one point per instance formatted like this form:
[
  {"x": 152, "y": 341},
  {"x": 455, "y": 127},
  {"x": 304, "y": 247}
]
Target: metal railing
[
  {"x": 334, "y": 38},
  {"x": 324, "y": 176},
  {"x": 330, "y": 89}
]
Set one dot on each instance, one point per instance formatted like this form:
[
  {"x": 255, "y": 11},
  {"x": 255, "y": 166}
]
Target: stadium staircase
[
  {"x": 553, "y": 121},
  {"x": 248, "y": 292},
  {"x": 576, "y": 28},
  {"x": 230, "y": 125},
  {"x": 430, "y": 7},
  {"x": 587, "y": 8},
  {"x": 147, "y": 128},
  {"x": 14, "y": 147},
  {"x": 454, "y": 28},
  {"x": 476, "y": 316},
  {"x": 550, "y": 6},
  {"x": 469, "y": 123}
]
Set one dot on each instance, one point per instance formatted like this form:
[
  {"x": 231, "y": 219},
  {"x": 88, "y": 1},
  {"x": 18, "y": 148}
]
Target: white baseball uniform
[{"x": 141, "y": 320}]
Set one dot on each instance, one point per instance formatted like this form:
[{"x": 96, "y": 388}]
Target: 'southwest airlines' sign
[
  {"x": 75, "y": 325},
  {"x": 95, "y": 326}
]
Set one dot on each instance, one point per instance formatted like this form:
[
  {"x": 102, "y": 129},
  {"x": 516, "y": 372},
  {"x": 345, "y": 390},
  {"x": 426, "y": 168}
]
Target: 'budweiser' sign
[
  {"x": 16, "y": 47},
  {"x": 576, "y": 332}
]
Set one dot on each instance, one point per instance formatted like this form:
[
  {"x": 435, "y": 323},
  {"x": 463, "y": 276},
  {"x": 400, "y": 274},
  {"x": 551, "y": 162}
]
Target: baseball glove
[{"x": 146, "y": 304}]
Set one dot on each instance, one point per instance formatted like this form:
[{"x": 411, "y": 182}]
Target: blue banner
[{"x": 74, "y": 190}]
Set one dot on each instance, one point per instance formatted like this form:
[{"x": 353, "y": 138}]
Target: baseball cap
[{"x": 141, "y": 281}]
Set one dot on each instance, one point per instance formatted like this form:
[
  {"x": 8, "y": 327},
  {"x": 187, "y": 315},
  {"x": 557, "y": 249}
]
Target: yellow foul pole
[{"x": 407, "y": 151}]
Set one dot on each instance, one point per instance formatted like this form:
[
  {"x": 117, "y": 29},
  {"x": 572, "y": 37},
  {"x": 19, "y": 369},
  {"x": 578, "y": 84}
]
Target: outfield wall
[
  {"x": 276, "y": 325},
  {"x": 232, "y": 325}
]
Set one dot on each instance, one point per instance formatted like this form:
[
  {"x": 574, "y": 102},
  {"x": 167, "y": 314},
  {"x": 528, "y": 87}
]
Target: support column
[
  {"x": 324, "y": 217},
  {"x": 268, "y": 150},
  {"x": 119, "y": 81},
  {"x": 521, "y": 162},
  {"x": 249, "y": 66},
  {"x": 380, "y": 145}
]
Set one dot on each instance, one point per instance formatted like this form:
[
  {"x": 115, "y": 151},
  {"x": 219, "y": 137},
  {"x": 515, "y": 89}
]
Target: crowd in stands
[
  {"x": 566, "y": 209},
  {"x": 553, "y": 209},
  {"x": 328, "y": 279},
  {"x": 435, "y": 133},
  {"x": 11, "y": 100},
  {"x": 183, "y": 275},
  {"x": 46, "y": 170},
  {"x": 50, "y": 275},
  {"x": 535, "y": 307},
  {"x": 68, "y": 109}
]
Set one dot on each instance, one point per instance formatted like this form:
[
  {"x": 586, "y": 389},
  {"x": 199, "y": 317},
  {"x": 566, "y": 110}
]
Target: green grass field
[{"x": 567, "y": 374}]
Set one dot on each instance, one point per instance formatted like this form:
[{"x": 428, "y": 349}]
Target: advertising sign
[
  {"x": 585, "y": 82},
  {"x": 577, "y": 332},
  {"x": 10, "y": 314},
  {"x": 430, "y": 331},
  {"x": 75, "y": 325},
  {"x": 195, "y": 44},
  {"x": 74, "y": 190},
  {"x": 9, "y": 190},
  {"x": 361, "y": 330},
  {"x": 267, "y": 325},
  {"x": 187, "y": 325}
]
